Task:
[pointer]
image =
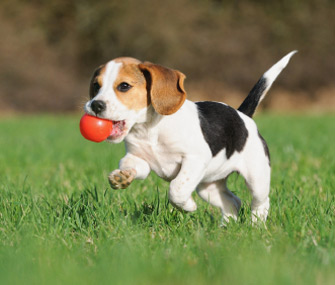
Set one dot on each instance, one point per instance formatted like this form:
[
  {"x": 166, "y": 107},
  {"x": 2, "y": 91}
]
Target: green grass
[{"x": 61, "y": 223}]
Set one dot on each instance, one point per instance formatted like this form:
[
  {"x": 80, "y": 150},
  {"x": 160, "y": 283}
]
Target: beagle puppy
[{"x": 193, "y": 145}]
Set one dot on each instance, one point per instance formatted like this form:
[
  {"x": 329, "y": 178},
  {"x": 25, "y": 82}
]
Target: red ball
[{"x": 95, "y": 129}]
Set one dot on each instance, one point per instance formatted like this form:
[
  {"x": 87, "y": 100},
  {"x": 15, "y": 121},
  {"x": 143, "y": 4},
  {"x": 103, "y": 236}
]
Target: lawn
[{"x": 60, "y": 223}]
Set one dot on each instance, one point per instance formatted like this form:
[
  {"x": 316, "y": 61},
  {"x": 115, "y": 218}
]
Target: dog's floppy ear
[{"x": 165, "y": 87}]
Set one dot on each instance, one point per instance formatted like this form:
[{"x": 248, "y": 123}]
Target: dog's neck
[{"x": 146, "y": 125}]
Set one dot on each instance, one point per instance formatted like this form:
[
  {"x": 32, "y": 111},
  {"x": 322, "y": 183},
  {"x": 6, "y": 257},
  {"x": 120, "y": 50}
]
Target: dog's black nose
[{"x": 98, "y": 106}]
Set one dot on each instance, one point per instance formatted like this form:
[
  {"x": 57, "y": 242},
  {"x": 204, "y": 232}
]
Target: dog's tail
[{"x": 258, "y": 92}]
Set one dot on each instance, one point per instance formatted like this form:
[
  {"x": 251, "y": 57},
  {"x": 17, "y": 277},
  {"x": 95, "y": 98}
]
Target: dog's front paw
[{"x": 121, "y": 179}]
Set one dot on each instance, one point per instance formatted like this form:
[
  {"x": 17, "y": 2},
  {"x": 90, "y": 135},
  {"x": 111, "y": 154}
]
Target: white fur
[
  {"x": 274, "y": 71},
  {"x": 115, "y": 110},
  {"x": 174, "y": 147}
]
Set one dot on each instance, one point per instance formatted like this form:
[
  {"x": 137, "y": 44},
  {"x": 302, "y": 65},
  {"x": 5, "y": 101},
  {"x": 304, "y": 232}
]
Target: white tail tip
[{"x": 274, "y": 71}]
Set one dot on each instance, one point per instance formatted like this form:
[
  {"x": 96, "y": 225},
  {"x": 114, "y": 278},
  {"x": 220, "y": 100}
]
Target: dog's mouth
[{"x": 119, "y": 130}]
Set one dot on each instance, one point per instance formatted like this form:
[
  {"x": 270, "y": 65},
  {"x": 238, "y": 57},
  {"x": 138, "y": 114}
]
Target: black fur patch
[
  {"x": 94, "y": 85},
  {"x": 222, "y": 127},
  {"x": 250, "y": 103},
  {"x": 266, "y": 149}
]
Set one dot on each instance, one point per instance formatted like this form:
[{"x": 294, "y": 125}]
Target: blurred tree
[{"x": 223, "y": 42}]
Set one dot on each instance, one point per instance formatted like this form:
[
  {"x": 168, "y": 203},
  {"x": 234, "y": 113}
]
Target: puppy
[{"x": 193, "y": 145}]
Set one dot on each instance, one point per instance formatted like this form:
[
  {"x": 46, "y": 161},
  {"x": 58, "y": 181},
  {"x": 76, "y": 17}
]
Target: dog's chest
[{"x": 159, "y": 152}]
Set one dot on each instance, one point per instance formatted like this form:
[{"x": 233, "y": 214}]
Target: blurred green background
[
  {"x": 59, "y": 221},
  {"x": 49, "y": 49}
]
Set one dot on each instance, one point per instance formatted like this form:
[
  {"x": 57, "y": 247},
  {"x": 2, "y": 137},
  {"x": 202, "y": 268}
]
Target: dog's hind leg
[
  {"x": 258, "y": 181},
  {"x": 217, "y": 194}
]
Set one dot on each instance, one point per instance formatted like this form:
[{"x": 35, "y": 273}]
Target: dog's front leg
[
  {"x": 182, "y": 187},
  {"x": 130, "y": 167}
]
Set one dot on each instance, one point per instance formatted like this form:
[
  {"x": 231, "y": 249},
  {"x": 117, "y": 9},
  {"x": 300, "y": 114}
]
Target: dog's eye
[{"x": 123, "y": 87}]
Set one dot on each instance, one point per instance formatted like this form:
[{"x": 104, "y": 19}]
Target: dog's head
[{"x": 123, "y": 90}]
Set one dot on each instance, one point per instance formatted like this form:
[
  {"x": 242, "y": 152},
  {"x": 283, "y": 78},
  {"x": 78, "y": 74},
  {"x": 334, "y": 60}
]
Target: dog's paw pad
[
  {"x": 117, "y": 178},
  {"x": 121, "y": 179}
]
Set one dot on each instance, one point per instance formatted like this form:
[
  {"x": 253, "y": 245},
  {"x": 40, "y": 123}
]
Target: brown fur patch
[
  {"x": 151, "y": 84},
  {"x": 101, "y": 75},
  {"x": 137, "y": 97},
  {"x": 127, "y": 60},
  {"x": 167, "y": 91}
]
